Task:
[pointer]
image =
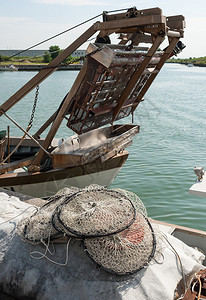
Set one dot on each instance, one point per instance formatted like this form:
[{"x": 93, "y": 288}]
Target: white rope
[
  {"x": 181, "y": 266},
  {"x": 31, "y": 137},
  {"x": 43, "y": 255}
]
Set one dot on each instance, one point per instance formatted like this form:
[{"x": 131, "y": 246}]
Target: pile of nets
[{"x": 112, "y": 223}]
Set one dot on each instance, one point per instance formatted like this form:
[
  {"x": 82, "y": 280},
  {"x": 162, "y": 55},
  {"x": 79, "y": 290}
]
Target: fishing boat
[{"x": 111, "y": 84}]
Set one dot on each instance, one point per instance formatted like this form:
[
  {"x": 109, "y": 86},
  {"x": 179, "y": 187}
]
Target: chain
[
  {"x": 34, "y": 107},
  {"x": 37, "y": 87}
]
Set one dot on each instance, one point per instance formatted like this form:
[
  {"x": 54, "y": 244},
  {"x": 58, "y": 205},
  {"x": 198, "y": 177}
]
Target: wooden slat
[
  {"x": 25, "y": 143},
  {"x": 141, "y": 38},
  {"x": 158, "y": 68},
  {"x": 143, "y": 12},
  {"x": 176, "y": 25},
  {"x": 133, "y": 22},
  {"x": 136, "y": 76},
  {"x": 16, "y": 164},
  {"x": 66, "y": 160},
  {"x": 175, "y": 18},
  {"x": 176, "y": 22}
]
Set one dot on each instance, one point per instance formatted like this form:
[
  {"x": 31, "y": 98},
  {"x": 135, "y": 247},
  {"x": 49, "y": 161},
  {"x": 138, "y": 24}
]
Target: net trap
[{"x": 113, "y": 225}]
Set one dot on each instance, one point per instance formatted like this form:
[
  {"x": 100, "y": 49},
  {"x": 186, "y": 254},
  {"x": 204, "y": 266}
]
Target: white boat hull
[
  {"x": 95, "y": 157},
  {"x": 104, "y": 178}
]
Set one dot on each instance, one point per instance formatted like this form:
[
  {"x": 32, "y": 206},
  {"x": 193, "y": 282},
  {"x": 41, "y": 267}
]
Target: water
[{"x": 171, "y": 142}]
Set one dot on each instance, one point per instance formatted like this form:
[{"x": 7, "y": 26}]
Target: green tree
[
  {"x": 4, "y": 58},
  {"x": 54, "y": 51},
  {"x": 47, "y": 57}
]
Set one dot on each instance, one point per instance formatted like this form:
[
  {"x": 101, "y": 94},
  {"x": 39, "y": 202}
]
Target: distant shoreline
[
  {"x": 77, "y": 67},
  {"x": 37, "y": 67},
  {"x": 186, "y": 63}
]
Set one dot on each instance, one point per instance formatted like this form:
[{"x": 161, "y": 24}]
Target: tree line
[{"x": 47, "y": 57}]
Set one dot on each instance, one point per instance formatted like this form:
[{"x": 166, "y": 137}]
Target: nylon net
[
  {"x": 39, "y": 226},
  {"x": 125, "y": 252},
  {"x": 113, "y": 225},
  {"x": 96, "y": 212}
]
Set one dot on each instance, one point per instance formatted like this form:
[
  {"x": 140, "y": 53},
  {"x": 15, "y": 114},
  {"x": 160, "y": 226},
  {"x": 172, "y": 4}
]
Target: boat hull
[
  {"x": 41, "y": 184},
  {"x": 199, "y": 187},
  {"x": 192, "y": 237}
]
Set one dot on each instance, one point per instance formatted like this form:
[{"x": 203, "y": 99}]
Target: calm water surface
[{"x": 171, "y": 142}]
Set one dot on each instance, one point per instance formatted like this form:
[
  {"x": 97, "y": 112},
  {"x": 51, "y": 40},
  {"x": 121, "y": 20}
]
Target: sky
[{"x": 24, "y": 23}]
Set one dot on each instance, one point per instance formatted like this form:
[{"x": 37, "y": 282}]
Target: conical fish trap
[
  {"x": 126, "y": 252},
  {"x": 94, "y": 212},
  {"x": 38, "y": 226}
]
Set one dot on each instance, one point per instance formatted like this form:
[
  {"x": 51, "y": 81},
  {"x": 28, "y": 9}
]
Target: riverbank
[
  {"x": 77, "y": 67},
  {"x": 196, "y": 61},
  {"x": 37, "y": 67},
  {"x": 184, "y": 63}
]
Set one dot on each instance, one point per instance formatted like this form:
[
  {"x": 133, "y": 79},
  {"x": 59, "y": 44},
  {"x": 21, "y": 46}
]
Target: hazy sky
[{"x": 27, "y": 22}]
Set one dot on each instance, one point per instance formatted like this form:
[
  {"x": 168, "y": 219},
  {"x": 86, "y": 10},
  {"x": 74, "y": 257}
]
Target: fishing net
[
  {"x": 95, "y": 212},
  {"x": 137, "y": 202},
  {"x": 126, "y": 252},
  {"x": 39, "y": 226},
  {"x": 113, "y": 225},
  {"x": 59, "y": 227}
]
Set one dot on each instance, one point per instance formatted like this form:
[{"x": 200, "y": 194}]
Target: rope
[
  {"x": 17, "y": 146},
  {"x": 198, "y": 279},
  {"x": 56, "y": 35},
  {"x": 181, "y": 266},
  {"x": 200, "y": 285},
  {"x": 43, "y": 255},
  {"x": 31, "y": 137}
]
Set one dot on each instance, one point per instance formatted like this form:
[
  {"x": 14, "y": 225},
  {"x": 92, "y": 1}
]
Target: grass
[
  {"x": 4, "y": 60},
  {"x": 196, "y": 61}
]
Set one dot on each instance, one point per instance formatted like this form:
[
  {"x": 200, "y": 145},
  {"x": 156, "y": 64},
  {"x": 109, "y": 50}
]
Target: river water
[{"x": 171, "y": 142}]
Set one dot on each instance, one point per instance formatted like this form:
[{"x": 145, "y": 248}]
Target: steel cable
[{"x": 67, "y": 30}]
